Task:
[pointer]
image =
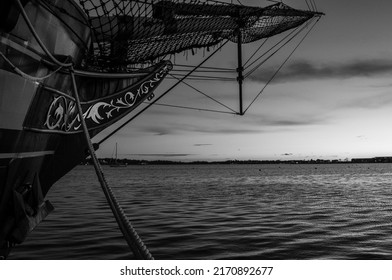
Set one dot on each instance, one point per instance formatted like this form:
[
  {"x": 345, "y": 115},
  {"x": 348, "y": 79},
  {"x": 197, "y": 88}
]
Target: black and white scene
[{"x": 195, "y": 130}]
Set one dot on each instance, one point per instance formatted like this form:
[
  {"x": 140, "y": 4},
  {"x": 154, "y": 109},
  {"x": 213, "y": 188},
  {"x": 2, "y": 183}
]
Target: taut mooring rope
[{"x": 130, "y": 234}]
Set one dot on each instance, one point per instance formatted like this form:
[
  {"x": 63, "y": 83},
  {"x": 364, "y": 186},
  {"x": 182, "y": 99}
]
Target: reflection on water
[{"x": 334, "y": 211}]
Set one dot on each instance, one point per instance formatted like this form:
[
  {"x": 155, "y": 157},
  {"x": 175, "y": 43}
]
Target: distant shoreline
[{"x": 107, "y": 161}]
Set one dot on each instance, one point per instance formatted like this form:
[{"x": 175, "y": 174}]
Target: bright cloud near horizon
[{"x": 331, "y": 100}]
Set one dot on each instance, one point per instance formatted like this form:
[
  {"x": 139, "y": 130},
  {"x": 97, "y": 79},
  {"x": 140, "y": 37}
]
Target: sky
[{"x": 331, "y": 100}]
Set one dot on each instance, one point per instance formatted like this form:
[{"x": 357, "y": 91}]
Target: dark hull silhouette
[{"x": 41, "y": 138}]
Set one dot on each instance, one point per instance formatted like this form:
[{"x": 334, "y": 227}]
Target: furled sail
[{"x": 138, "y": 31}]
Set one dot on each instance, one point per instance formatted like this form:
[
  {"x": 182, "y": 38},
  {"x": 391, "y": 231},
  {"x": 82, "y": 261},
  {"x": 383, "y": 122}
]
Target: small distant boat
[{"x": 115, "y": 162}]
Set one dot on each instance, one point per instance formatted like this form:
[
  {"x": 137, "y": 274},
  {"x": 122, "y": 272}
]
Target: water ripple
[{"x": 338, "y": 211}]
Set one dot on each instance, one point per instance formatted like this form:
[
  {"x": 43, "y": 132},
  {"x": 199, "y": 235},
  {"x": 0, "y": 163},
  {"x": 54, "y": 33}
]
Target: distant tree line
[{"x": 107, "y": 161}]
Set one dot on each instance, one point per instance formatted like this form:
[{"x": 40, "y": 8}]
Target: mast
[
  {"x": 240, "y": 68},
  {"x": 116, "y": 153}
]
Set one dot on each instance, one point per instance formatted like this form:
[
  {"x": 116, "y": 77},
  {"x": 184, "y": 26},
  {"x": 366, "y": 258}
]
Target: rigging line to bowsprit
[
  {"x": 205, "y": 71},
  {"x": 207, "y": 79},
  {"x": 163, "y": 94},
  {"x": 280, "y": 67},
  {"x": 258, "y": 49},
  {"x": 298, "y": 31},
  {"x": 206, "y": 95},
  {"x": 220, "y": 78},
  {"x": 270, "y": 49},
  {"x": 195, "y": 109},
  {"x": 274, "y": 46},
  {"x": 201, "y": 77},
  {"x": 312, "y": 5},
  {"x": 315, "y": 7},
  {"x": 204, "y": 67},
  {"x": 307, "y": 4},
  {"x": 179, "y": 71}
]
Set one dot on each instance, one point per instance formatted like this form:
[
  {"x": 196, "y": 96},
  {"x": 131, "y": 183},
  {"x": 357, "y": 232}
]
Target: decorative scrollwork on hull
[{"x": 62, "y": 115}]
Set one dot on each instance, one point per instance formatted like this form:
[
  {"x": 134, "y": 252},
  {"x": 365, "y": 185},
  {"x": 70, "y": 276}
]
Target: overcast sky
[{"x": 332, "y": 99}]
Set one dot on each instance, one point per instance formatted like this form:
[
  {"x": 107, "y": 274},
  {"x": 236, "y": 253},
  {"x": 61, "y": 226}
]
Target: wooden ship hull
[{"x": 41, "y": 138}]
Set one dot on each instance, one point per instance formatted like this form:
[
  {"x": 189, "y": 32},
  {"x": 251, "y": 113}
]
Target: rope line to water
[{"x": 130, "y": 234}]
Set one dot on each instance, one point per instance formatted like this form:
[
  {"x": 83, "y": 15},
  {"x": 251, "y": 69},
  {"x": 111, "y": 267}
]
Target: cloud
[
  {"x": 199, "y": 145},
  {"x": 305, "y": 70},
  {"x": 373, "y": 101},
  {"x": 287, "y": 121},
  {"x": 159, "y": 131},
  {"x": 381, "y": 85},
  {"x": 251, "y": 124},
  {"x": 231, "y": 130},
  {"x": 181, "y": 128}
]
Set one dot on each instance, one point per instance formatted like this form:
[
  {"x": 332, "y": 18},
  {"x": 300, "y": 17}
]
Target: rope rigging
[
  {"x": 205, "y": 78},
  {"x": 179, "y": 25},
  {"x": 205, "y": 67},
  {"x": 196, "y": 109},
  {"x": 208, "y": 96},
  {"x": 312, "y": 5},
  {"x": 255, "y": 52},
  {"x": 280, "y": 67},
  {"x": 307, "y": 4},
  {"x": 163, "y": 94},
  {"x": 315, "y": 7},
  {"x": 204, "y": 71},
  {"x": 294, "y": 34},
  {"x": 283, "y": 42},
  {"x": 154, "y": 29}
]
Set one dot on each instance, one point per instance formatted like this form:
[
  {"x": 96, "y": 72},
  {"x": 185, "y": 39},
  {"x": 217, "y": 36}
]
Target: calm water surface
[{"x": 335, "y": 211}]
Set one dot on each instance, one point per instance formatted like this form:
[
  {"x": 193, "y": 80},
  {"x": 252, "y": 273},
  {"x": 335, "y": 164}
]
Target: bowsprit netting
[{"x": 140, "y": 31}]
